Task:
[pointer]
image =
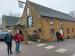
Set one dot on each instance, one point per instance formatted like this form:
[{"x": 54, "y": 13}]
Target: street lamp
[{"x": 21, "y": 3}]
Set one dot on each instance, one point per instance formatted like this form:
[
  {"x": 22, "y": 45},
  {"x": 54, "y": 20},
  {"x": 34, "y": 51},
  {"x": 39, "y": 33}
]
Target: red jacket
[
  {"x": 61, "y": 35},
  {"x": 19, "y": 37}
]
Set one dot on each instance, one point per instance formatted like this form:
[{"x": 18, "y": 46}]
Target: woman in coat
[{"x": 18, "y": 40}]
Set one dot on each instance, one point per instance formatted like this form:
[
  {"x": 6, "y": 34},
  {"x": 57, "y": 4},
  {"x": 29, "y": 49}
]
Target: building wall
[
  {"x": 44, "y": 24},
  {"x": 69, "y": 25}
]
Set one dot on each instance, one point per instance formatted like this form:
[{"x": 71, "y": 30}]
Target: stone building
[{"x": 46, "y": 21}]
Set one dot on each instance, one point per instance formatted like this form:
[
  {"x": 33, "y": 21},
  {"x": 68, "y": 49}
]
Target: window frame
[
  {"x": 72, "y": 29},
  {"x": 52, "y": 31},
  {"x": 68, "y": 30},
  {"x": 29, "y": 22}
]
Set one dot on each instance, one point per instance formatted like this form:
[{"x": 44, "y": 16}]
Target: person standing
[
  {"x": 18, "y": 39},
  {"x": 8, "y": 41},
  {"x": 58, "y": 36},
  {"x": 61, "y": 35}
]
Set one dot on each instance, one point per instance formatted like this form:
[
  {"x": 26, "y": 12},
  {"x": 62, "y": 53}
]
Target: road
[{"x": 66, "y": 48}]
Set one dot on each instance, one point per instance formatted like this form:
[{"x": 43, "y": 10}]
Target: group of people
[
  {"x": 18, "y": 37},
  {"x": 60, "y": 37}
]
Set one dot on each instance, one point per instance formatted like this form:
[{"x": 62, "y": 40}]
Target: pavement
[{"x": 65, "y": 48}]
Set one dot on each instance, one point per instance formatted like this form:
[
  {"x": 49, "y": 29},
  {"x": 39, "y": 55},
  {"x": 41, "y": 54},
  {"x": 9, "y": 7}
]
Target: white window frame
[
  {"x": 30, "y": 21},
  {"x": 60, "y": 22},
  {"x": 51, "y": 22}
]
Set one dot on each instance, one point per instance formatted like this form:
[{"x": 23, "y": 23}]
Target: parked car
[{"x": 2, "y": 36}]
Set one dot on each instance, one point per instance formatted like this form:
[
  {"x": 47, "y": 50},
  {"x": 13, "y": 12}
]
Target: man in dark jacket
[{"x": 8, "y": 41}]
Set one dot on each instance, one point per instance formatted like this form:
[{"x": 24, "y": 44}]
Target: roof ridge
[
  {"x": 47, "y": 7},
  {"x": 46, "y": 11}
]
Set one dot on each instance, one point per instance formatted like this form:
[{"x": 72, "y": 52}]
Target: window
[
  {"x": 52, "y": 31},
  {"x": 68, "y": 30},
  {"x": 72, "y": 29},
  {"x": 60, "y": 22},
  {"x": 29, "y": 21},
  {"x": 39, "y": 30},
  {"x": 51, "y": 22}
]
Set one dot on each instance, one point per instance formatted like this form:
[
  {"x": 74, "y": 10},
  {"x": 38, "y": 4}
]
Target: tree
[{"x": 72, "y": 13}]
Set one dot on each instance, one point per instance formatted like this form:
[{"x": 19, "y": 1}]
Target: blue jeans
[{"x": 17, "y": 47}]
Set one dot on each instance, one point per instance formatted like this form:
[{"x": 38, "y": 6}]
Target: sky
[{"x": 8, "y": 7}]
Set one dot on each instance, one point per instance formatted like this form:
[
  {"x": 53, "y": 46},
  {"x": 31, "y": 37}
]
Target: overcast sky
[{"x": 11, "y": 6}]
